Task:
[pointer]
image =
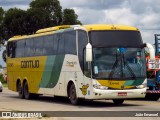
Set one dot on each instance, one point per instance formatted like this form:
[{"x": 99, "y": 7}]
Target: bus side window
[
  {"x": 38, "y": 46},
  {"x": 14, "y": 46},
  {"x": 70, "y": 42},
  {"x": 48, "y": 45},
  {"x": 9, "y": 49},
  {"x": 82, "y": 42},
  {"x": 55, "y": 44},
  {"x": 19, "y": 51},
  {"x": 60, "y": 43},
  {"x": 29, "y": 50}
]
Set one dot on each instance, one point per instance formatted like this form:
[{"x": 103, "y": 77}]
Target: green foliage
[
  {"x": 41, "y": 14},
  {"x": 2, "y": 79},
  {"x": 1, "y": 23},
  {"x": 14, "y": 22},
  {"x": 1, "y": 15},
  {"x": 70, "y": 17},
  {"x": 52, "y": 8},
  {"x": 36, "y": 19}
]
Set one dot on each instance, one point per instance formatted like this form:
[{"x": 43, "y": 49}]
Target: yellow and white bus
[{"x": 79, "y": 62}]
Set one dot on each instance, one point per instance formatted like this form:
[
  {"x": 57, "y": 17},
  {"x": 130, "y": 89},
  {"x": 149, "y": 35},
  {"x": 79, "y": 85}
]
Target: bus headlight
[
  {"x": 141, "y": 86},
  {"x": 100, "y": 87}
]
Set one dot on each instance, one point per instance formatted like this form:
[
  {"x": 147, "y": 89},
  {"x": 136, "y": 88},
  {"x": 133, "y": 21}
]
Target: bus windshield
[
  {"x": 116, "y": 38},
  {"x": 119, "y": 63}
]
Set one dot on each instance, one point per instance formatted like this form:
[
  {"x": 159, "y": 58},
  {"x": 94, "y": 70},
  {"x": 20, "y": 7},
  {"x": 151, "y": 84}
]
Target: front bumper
[{"x": 118, "y": 94}]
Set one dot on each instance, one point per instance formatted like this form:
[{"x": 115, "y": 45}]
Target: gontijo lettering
[{"x": 30, "y": 64}]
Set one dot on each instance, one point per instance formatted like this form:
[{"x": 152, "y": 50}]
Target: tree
[
  {"x": 1, "y": 15},
  {"x": 54, "y": 14},
  {"x": 14, "y": 22},
  {"x": 52, "y": 8},
  {"x": 36, "y": 19},
  {"x": 70, "y": 17},
  {"x": 1, "y": 23},
  {"x": 41, "y": 14}
]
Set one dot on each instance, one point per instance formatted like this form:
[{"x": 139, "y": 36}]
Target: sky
[{"x": 143, "y": 14}]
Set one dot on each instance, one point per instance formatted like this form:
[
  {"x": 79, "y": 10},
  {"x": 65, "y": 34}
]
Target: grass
[{"x": 5, "y": 85}]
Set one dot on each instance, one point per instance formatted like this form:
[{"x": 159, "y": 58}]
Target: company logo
[
  {"x": 114, "y": 83},
  {"x": 30, "y": 64},
  {"x": 70, "y": 64},
  {"x": 84, "y": 89}
]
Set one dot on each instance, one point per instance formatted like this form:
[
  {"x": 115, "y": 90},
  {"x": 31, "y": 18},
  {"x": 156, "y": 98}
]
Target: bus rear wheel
[
  {"x": 20, "y": 90},
  {"x": 72, "y": 95},
  {"x": 118, "y": 101},
  {"x": 27, "y": 95}
]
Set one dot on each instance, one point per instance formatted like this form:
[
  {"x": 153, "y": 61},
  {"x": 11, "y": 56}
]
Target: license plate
[{"x": 122, "y": 94}]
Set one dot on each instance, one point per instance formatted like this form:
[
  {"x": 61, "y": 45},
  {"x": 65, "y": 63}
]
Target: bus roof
[
  {"x": 109, "y": 27},
  {"x": 92, "y": 27}
]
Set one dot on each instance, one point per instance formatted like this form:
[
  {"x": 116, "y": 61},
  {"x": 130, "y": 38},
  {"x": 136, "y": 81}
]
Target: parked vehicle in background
[
  {"x": 153, "y": 73},
  {"x": 1, "y": 87}
]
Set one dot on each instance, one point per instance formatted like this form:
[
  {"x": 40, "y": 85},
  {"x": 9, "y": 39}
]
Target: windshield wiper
[
  {"x": 113, "y": 68},
  {"x": 130, "y": 71},
  {"x": 123, "y": 62}
]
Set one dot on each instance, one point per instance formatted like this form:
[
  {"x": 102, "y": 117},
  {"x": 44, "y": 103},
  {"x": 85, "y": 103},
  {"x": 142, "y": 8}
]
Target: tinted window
[
  {"x": 70, "y": 42},
  {"x": 11, "y": 49},
  {"x": 38, "y": 45},
  {"x": 119, "y": 63},
  {"x": 19, "y": 51},
  {"x": 119, "y": 38},
  {"x": 55, "y": 44},
  {"x": 82, "y": 42},
  {"x": 60, "y": 43},
  {"x": 48, "y": 45},
  {"x": 29, "y": 50}
]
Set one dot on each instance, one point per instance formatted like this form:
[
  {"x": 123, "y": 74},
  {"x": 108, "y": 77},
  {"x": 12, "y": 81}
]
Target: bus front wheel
[
  {"x": 27, "y": 95},
  {"x": 72, "y": 95},
  {"x": 118, "y": 101}
]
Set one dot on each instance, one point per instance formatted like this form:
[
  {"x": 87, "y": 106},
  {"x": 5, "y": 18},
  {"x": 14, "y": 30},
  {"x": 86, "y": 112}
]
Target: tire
[
  {"x": 1, "y": 90},
  {"x": 152, "y": 97},
  {"x": 148, "y": 97},
  {"x": 118, "y": 101},
  {"x": 20, "y": 90},
  {"x": 155, "y": 98},
  {"x": 27, "y": 95},
  {"x": 72, "y": 95},
  {"x": 34, "y": 96}
]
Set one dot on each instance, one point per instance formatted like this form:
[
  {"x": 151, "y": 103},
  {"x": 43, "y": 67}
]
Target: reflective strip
[{"x": 153, "y": 91}]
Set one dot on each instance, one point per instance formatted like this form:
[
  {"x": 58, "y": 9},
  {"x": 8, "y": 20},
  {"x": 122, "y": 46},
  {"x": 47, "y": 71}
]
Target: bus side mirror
[
  {"x": 151, "y": 51},
  {"x": 88, "y": 53}
]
